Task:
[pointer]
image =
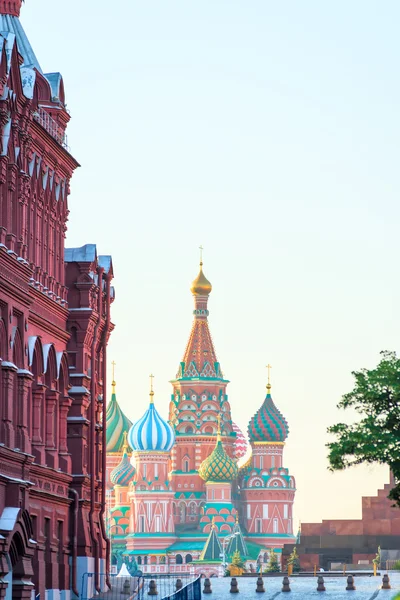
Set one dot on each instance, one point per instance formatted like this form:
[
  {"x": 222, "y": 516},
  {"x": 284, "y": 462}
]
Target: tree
[
  {"x": 294, "y": 560},
  {"x": 273, "y": 565},
  {"x": 237, "y": 560},
  {"x": 377, "y": 559},
  {"x": 375, "y": 438}
]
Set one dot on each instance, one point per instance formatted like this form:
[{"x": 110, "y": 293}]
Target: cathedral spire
[
  {"x": 10, "y": 7},
  {"x": 200, "y": 359}
]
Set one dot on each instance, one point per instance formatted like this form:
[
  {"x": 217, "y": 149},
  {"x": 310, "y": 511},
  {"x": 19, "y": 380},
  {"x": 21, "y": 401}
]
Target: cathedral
[{"x": 184, "y": 494}]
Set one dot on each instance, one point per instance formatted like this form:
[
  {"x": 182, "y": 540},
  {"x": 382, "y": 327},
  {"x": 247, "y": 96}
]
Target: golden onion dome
[
  {"x": 218, "y": 467},
  {"x": 201, "y": 286}
]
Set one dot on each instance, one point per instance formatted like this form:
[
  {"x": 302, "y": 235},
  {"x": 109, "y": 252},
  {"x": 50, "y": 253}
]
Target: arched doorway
[{"x": 18, "y": 549}]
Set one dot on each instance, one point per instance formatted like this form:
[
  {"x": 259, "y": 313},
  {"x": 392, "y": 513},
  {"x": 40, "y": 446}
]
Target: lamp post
[{"x": 224, "y": 540}]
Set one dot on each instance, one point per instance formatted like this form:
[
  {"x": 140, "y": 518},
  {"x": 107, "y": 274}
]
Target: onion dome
[
  {"x": 218, "y": 467},
  {"x": 151, "y": 432},
  {"x": 201, "y": 286},
  {"x": 116, "y": 424},
  {"x": 241, "y": 444},
  {"x": 268, "y": 424},
  {"x": 123, "y": 473}
]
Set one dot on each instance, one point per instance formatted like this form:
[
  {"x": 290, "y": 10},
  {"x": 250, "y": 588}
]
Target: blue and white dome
[{"x": 151, "y": 432}]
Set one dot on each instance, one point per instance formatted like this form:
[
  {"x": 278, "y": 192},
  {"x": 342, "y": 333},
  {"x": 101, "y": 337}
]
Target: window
[
  {"x": 139, "y": 560},
  {"x": 265, "y": 511},
  {"x": 188, "y": 558},
  {"x": 249, "y": 511},
  {"x": 258, "y": 526},
  {"x": 285, "y": 511},
  {"x": 272, "y": 461},
  {"x": 158, "y": 524},
  {"x": 186, "y": 466},
  {"x": 275, "y": 525},
  {"x": 261, "y": 462},
  {"x": 178, "y": 559},
  {"x": 141, "y": 523},
  {"x": 47, "y": 546},
  {"x": 144, "y": 471},
  {"x": 289, "y": 526},
  {"x": 156, "y": 470}
]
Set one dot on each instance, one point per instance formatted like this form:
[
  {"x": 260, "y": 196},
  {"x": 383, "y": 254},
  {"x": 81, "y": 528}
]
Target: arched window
[
  {"x": 178, "y": 559},
  {"x": 186, "y": 466},
  {"x": 145, "y": 560},
  {"x": 139, "y": 560},
  {"x": 189, "y": 430},
  {"x": 188, "y": 558}
]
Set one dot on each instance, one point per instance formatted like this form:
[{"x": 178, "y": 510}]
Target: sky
[{"x": 267, "y": 132}]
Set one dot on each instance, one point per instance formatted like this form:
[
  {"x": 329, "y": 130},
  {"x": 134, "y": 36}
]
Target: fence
[
  {"x": 143, "y": 587},
  {"x": 169, "y": 587}
]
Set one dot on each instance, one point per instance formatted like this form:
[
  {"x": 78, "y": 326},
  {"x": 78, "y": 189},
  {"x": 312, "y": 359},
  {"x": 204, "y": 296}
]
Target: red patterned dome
[
  {"x": 241, "y": 443},
  {"x": 268, "y": 424}
]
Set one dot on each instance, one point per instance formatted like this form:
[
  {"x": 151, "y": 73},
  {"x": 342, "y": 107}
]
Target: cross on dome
[
  {"x": 151, "y": 389},
  {"x": 269, "y": 367}
]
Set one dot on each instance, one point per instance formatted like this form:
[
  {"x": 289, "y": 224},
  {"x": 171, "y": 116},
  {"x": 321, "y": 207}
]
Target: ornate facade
[
  {"x": 54, "y": 328},
  {"x": 185, "y": 497}
]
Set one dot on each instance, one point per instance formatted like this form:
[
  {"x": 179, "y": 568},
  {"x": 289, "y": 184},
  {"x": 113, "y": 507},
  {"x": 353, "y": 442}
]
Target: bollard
[
  {"x": 350, "y": 583},
  {"x": 234, "y": 586},
  {"x": 179, "y": 584},
  {"x": 286, "y": 584},
  {"x": 152, "y": 588},
  {"x": 386, "y": 582},
  {"x": 207, "y": 586},
  {"x": 320, "y": 584},
  {"x": 126, "y": 590},
  {"x": 375, "y": 568},
  {"x": 260, "y": 589},
  {"x": 315, "y": 570}
]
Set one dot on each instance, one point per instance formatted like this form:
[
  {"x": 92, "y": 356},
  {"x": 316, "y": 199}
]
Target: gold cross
[
  {"x": 201, "y": 254},
  {"x": 269, "y": 367},
  {"x": 151, "y": 383}
]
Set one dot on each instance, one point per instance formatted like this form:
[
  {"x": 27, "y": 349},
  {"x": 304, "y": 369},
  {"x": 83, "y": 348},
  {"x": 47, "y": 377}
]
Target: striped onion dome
[
  {"x": 151, "y": 432},
  {"x": 241, "y": 442},
  {"x": 123, "y": 473},
  {"x": 218, "y": 466},
  {"x": 268, "y": 424},
  {"x": 116, "y": 424}
]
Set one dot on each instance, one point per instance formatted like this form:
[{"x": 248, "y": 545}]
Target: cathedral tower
[
  {"x": 199, "y": 396},
  {"x": 267, "y": 488},
  {"x": 218, "y": 471},
  {"x": 151, "y": 496}
]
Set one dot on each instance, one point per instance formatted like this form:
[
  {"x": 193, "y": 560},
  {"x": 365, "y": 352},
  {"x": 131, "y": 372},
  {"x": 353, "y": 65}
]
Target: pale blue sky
[{"x": 268, "y": 132}]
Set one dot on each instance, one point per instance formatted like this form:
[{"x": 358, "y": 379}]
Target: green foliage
[
  {"x": 273, "y": 565},
  {"x": 377, "y": 559},
  {"x": 294, "y": 560},
  {"x": 237, "y": 561},
  {"x": 396, "y": 567},
  {"x": 375, "y": 438}
]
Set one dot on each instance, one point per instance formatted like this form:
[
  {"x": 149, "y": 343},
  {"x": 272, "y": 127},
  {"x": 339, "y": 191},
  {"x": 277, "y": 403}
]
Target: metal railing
[
  {"x": 52, "y": 127},
  {"x": 169, "y": 587}
]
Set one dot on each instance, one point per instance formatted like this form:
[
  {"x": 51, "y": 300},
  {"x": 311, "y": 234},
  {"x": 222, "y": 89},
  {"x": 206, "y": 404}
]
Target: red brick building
[
  {"x": 350, "y": 541},
  {"x": 54, "y": 328}
]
